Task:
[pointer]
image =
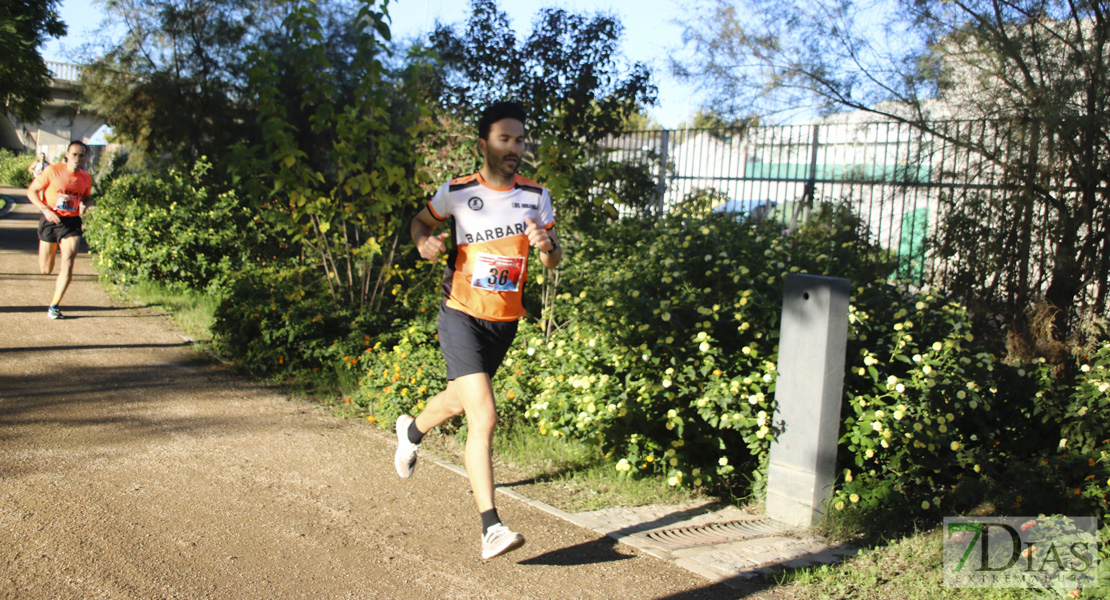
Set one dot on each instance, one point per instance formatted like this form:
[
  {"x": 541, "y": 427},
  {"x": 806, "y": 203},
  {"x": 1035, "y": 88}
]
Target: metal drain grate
[{"x": 714, "y": 533}]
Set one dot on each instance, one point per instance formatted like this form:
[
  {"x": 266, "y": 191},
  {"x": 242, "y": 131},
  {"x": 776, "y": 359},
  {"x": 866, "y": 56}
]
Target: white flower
[
  {"x": 704, "y": 347},
  {"x": 666, "y": 383},
  {"x": 531, "y": 351}
]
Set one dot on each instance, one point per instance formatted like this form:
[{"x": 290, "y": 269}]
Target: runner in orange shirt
[
  {"x": 60, "y": 192},
  {"x": 498, "y": 216}
]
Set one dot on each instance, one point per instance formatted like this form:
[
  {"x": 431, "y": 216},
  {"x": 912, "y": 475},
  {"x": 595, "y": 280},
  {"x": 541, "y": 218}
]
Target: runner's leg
[
  {"x": 477, "y": 398},
  {"x": 65, "y": 271},
  {"x": 441, "y": 407},
  {"x": 47, "y": 252}
]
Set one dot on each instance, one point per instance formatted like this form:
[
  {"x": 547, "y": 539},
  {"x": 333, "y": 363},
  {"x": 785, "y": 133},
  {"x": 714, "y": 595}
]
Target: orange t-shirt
[
  {"x": 488, "y": 266},
  {"x": 65, "y": 191}
]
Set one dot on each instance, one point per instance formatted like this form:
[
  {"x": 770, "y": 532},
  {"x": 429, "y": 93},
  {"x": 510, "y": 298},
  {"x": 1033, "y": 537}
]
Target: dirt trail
[{"x": 130, "y": 468}]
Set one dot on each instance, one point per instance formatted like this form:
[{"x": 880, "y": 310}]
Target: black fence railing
[{"x": 894, "y": 177}]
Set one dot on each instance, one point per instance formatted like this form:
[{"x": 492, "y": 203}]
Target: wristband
[{"x": 554, "y": 247}]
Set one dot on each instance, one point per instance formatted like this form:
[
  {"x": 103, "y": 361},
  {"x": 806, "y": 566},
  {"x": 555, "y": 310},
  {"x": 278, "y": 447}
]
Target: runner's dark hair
[
  {"x": 82, "y": 144},
  {"x": 497, "y": 111}
]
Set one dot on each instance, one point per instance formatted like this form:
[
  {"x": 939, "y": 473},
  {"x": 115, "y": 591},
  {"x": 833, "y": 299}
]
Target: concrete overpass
[{"x": 64, "y": 118}]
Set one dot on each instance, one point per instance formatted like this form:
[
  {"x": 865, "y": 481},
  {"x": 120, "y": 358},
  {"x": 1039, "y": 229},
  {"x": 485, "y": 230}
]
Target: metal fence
[{"x": 892, "y": 176}]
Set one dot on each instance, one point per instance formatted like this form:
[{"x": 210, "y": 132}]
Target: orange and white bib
[{"x": 488, "y": 266}]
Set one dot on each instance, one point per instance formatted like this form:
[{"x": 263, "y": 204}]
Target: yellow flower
[
  {"x": 955, "y": 446},
  {"x": 925, "y": 505},
  {"x": 840, "y": 505},
  {"x": 854, "y": 498}
]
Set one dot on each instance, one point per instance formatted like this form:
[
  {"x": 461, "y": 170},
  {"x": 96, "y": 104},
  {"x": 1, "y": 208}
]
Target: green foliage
[
  {"x": 699, "y": 202},
  {"x": 568, "y": 76},
  {"x": 340, "y": 178},
  {"x": 170, "y": 229},
  {"x": 24, "y": 78},
  {"x": 278, "y": 320},
  {"x": 668, "y": 370},
  {"x": 935, "y": 424},
  {"x": 13, "y": 168},
  {"x": 666, "y": 363},
  {"x": 172, "y": 85}
]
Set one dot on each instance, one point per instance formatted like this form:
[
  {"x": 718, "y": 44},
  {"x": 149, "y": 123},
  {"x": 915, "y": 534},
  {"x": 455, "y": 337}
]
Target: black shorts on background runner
[
  {"x": 472, "y": 345},
  {"x": 54, "y": 234}
]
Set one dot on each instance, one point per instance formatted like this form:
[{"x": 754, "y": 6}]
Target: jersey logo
[{"x": 475, "y": 203}]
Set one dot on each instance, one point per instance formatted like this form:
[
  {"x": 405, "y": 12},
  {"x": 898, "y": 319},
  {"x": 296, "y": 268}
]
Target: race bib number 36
[{"x": 497, "y": 273}]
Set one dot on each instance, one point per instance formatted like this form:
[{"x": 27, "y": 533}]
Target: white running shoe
[
  {"x": 499, "y": 540},
  {"x": 405, "y": 458}
]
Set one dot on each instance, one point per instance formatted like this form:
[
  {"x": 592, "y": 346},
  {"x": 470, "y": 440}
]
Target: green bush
[
  {"x": 13, "y": 168},
  {"x": 279, "y": 318},
  {"x": 935, "y": 425},
  {"x": 667, "y": 358},
  {"x": 666, "y": 363},
  {"x": 170, "y": 228}
]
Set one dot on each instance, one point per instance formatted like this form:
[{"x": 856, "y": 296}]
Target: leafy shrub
[
  {"x": 934, "y": 424},
  {"x": 666, "y": 363},
  {"x": 13, "y": 168},
  {"x": 279, "y": 318},
  {"x": 276, "y": 319},
  {"x": 169, "y": 228},
  {"x": 668, "y": 369}
]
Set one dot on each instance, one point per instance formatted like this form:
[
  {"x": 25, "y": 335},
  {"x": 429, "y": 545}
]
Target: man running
[
  {"x": 60, "y": 192},
  {"x": 498, "y": 215}
]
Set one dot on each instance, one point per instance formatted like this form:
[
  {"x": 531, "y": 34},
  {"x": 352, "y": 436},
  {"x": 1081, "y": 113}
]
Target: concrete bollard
[{"x": 814, "y": 334}]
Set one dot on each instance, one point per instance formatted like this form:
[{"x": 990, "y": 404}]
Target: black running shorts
[
  {"x": 472, "y": 345},
  {"x": 54, "y": 234}
]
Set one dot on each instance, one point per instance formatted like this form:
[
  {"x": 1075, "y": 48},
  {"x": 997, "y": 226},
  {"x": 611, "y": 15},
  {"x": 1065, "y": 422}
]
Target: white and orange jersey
[{"x": 488, "y": 266}]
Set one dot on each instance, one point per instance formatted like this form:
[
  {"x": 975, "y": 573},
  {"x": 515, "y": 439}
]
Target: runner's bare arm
[
  {"x": 551, "y": 253},
  {"x": 423, "y": 225},
  {"x": 34, "y": 194}
]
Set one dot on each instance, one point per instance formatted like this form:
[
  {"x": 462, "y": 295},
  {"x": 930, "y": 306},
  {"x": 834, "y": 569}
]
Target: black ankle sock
[
  {"x": 414, "y": 434},
  {"x": 489, "y": 519}
]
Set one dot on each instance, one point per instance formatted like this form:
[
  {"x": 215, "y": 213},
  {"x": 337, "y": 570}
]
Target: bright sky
[{"x": 650, "y": 34}]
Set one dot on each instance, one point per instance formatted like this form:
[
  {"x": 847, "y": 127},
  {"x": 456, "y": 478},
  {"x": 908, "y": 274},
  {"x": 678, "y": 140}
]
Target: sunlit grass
[
  {"x": 904, "y": 569},
  {"x": 189, "y": 310}
]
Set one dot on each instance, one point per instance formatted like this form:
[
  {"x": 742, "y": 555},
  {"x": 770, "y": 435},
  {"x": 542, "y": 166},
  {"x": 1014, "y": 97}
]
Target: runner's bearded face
[{"x": 505, "y": 146}]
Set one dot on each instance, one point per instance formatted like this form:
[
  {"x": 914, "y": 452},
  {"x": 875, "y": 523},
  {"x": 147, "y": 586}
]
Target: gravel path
[{"x": 130, "y": 467}]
